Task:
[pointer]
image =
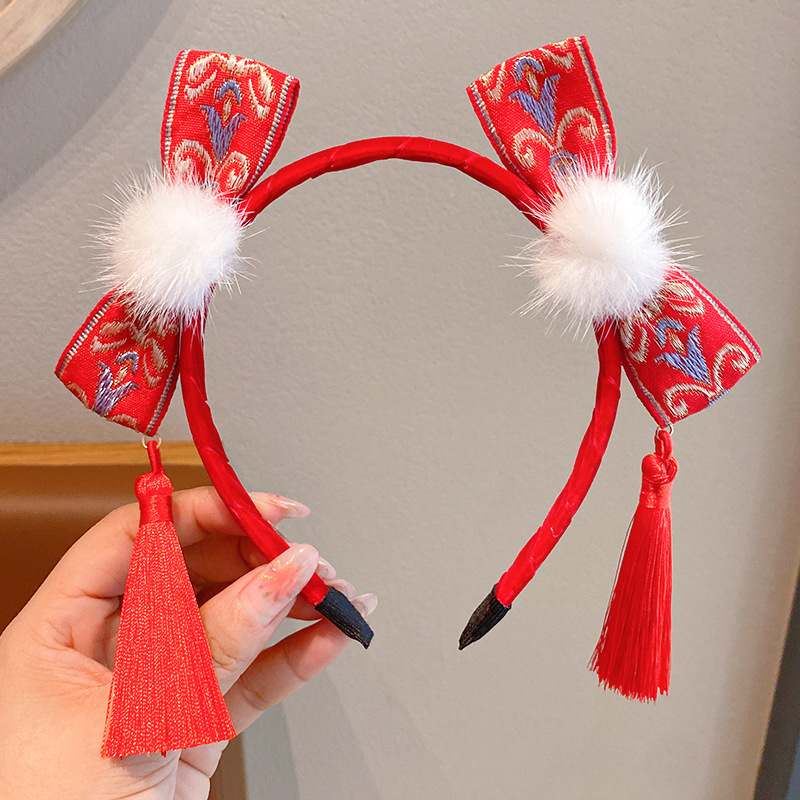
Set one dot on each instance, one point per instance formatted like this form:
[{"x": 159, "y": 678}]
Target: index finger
[{"x": 96, "y": 566}]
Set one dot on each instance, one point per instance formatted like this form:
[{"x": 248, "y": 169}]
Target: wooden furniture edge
[{"x": 61, "y": 454}]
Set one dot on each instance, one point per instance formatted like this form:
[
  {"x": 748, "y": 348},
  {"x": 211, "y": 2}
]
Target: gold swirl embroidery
[
  {"x": 740, "y": 360},
  {"x": 184, "y": 157},
  {"x": 524, "y": 146},
  {"x": 525, "y": 139},
  {"x": 566, "y": 60},
  {"x": 260, "y": 87},
  {"x": 580, "y": 117},
  {"x": 493, "y": 82},
  {"x": 637, "y": 331},
  {"x": 233, "y": 173},
  {"x": 118, "y": 336}
]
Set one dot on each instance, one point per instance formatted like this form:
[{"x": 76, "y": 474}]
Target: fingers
[
  {"x": 283, "y": 668},
  {"x": 81, "y": 596},
  {"x": 240, "y": 620},
  {"x": 225, "y": 554},
  {"x": 97, "y": 564},
  {"x": 305, "y": 611}
]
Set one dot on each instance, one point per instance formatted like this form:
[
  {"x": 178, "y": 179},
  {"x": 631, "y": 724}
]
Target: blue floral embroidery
[
  {"x": 693, "y": 363},
  {"x": 107, "y": 396},
  {"x": 221, "y": 135},
  {"x": 230, "y": 86},
  {"x": 131, "y": 356},
  {"x": 543, "y": 108}
]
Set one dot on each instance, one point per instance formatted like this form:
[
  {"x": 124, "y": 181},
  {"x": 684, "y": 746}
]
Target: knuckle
[
  {"x": 225, "y": 654},
  {"x": 255, "y": 693}
]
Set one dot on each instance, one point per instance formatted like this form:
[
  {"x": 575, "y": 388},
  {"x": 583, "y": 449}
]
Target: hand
[{"x": 56, "y": 655}]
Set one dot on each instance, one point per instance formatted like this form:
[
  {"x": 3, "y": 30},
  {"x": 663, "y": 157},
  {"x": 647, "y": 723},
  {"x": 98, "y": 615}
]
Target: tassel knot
[
  {"x": 154, "y": 493},
  {"x": 658, "y": 473}
]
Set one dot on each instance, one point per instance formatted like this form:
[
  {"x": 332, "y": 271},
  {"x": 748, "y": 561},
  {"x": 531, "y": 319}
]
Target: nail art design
[{"x": 286, "y": 575}]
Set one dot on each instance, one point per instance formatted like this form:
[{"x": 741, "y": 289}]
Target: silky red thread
[
  {"x": 164, "y": 691},
  {"x": 633, "y": 654}
]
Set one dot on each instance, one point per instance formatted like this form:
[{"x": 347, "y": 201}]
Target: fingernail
[
  {"x": 251, "y": 554},
  {"x": 365, "y": 603},
  {"x": 325, "y": 569},
  {"x": 281, "y": 580},
  {"x": 345, "y": 587},
  {"x": 294, "y": 510}
]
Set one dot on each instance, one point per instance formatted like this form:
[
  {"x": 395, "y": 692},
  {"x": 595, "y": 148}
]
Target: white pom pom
[
  {"x": 169, "y": 246},
  {"x": 602, "y": 256}
]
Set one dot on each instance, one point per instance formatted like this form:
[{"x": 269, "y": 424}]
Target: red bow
[
  {"x": 224, "y": 121},
  {"x": 545, "y": 113}
]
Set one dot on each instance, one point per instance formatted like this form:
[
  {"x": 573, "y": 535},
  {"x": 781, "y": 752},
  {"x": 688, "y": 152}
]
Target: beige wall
[{"x": 375, "y": 369}]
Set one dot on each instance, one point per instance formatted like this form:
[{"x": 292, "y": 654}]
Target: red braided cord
[
  {"x": 406, "y": 148},
  {"x": 212, "y": 453},
  {"x": 587, "y": 463},
  {"x": 355, "y": 154}
]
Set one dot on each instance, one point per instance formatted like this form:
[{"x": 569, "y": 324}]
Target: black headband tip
[
  {"x": 344, "y": 615},
  {"x": 483, "y": 619}
]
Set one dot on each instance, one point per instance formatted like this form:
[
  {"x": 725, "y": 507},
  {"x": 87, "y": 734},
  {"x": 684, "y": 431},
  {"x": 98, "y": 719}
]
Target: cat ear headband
[{"x": 601, "y": 258}]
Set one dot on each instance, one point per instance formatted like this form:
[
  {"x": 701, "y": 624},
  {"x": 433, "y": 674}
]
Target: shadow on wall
[
  {"x": 779, "y": 771},
  {"x": 67, "y": 77},
  {"x": 317, "y": 725}
]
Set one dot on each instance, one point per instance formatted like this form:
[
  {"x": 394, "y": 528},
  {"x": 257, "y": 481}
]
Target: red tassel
[
  {"x": 164, "y": 693},
  {"x": 633, "y": 653}
]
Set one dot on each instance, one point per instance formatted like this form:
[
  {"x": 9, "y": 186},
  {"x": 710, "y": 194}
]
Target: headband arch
[{"x": 546, "y": 115}]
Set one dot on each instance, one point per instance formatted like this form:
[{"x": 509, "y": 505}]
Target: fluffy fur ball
[
  {"x": 603, "y": 255},
  {"x": 169, "y": 245}
]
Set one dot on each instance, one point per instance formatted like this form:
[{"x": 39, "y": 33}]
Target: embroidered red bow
[
  {"x": 224, "y": 121},
  {"x": 546, "y": 115}
]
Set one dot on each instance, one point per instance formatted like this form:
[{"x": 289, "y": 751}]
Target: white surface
[{"x": 375, "y": 369}]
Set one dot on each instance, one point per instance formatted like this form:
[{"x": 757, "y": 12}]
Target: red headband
[{"x": 546, "y": 115}]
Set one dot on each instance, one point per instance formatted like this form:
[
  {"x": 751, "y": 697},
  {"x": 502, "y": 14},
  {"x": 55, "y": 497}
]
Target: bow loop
[
  {"x": 684, "y": 350},
  {"x": 546, "y": 115},
  {"x": 120, "y": 368},
  {"x": 224, "y": 121}
]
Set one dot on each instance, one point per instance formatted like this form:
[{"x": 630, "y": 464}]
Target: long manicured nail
[
  {"x": 293, "y": 509},
  {"x": 251, "y": 554},
  {"x": 325, "y": 569},
  {"x": 280, "y": 581},
  {"x": 365, "y": 603},
  {"x": 345, "y": 587}
]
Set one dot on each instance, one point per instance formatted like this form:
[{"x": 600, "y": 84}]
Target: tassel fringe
[
  {"x": 164, "y": 693},
  {"x": 633, "y": 654}
]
